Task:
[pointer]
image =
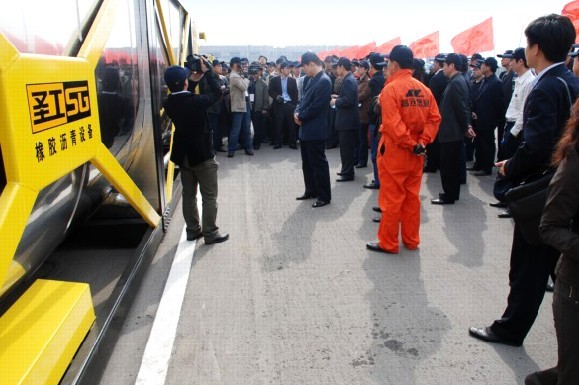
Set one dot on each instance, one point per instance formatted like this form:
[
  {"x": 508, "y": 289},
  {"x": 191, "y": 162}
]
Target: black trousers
[
  {"x": 510, "y": 143},
  {"x": 316, "y": 169},
  {"x": 500, "y": 134},
  {"x": 528, "y": 275},
  {"x": 433, "y": 156},
  {"x": 485, "y": 149},
  {"x": 332, "y": 138},
  {"x": 283, "y": 115},
  {"x": 259, "y": 128},
  {"x": 347, "y": 141},
  {"x": 363, "y": 144},
  {"x": 450, "y": 159}
]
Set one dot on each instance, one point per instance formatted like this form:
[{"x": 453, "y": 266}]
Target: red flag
[
  {"x": 571, "y": 10},
  {"x": 426, "y": 47},
  {"x": 387, "y": 47},
  {"x": 365, "y": 50},
  {"x": 475, "y": 39}
]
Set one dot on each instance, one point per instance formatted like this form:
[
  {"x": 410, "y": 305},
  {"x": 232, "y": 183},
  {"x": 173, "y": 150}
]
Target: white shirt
[{"x": 523, "y": 86}]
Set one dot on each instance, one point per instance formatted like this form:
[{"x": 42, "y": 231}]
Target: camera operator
[
  {"x": 193, "y": 147},
  {"x": 259, "y": 99},
  {"x": 240, "y": 110}
]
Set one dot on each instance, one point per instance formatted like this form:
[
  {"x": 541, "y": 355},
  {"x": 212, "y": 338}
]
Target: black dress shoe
[
  {"x": 505, "y": 214},
  {"x": 293, "y": 147},
  {"x": 249, "y": 152},
  {"x": 377, "y": 209},
  {"x": 550, "y": 287},
  {"x": 487, "y": 335},
  {"x": 376, "y": 219},
  {"x": 340, "y": 173},
  {"x": 345, "y": 179},
  {"x": 482, "y": 173},
  {"x": 441, "y": 201},
  {"x": 361, "y": 165},
  {"x": 473, "y": 168},
  {"x": 498, "y": 204},
  {"x": 230, "y": 154},
  {"x": 304, "y": 197},
  {"x": 218, "y": 239},
  {"x": 194, "y": 237},
  {"x": 375, "y": 246},
  {"x": 276, "y": 147},
  {"x": 319, "y": 203},
  {"x": 220, "y": 149},
  {"x": 430, "y": 170},
  {"x": 371, "y": 186}
]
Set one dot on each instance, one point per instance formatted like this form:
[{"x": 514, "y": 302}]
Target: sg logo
[{"x": 55, "y": 104}]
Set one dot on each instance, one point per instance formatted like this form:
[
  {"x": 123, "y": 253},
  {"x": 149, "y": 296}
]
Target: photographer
[
  {"x": 192, "y": 147},
  {"x": 240, "y": 114},
  {"x": 217, "y": 112},
  {"x": 259, "y": 99}
]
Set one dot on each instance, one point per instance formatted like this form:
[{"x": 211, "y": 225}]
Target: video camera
[
  {"x": 253, "y": 69},
  {"x": 194, "y": 63}
]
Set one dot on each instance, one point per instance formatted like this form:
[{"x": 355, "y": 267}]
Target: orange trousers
[{"x": 400, "y": 173}]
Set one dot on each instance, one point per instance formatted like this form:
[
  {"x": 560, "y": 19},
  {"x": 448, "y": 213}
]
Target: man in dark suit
[
  {"x": 312, "y": 117},
  {"x": 487, "y": 111},
  {"x": 193, "y": 150},
  {"x": 545, "y": 112},
  {"x": 455, "y": 112},
  {"x": 437, "y": 85},
  {"x": 283, "y": 89},
  {"x": 507, "y": 79},
  {"x": 347, "y": 119}
]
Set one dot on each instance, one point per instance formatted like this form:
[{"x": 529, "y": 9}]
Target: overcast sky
[{"x": 310, "y": 22}]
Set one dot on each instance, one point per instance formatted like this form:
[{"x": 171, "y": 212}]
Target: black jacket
[
  {"x": 347, "y": 115},
  {"x": 545, "y": 113},
  {"x": 313, "y": 108},
  {"x": 376, "y": 84},
  {"x": 193, "y": 135},
  {"x": 488, "y": 106},
  {"x": 275, "y": 88},
  {"x": 437, "y": 85},
  {"x": 454, "y": 110}
]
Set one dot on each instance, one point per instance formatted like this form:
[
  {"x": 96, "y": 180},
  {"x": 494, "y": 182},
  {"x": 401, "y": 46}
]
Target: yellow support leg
[{"x": 42, "y": 331}]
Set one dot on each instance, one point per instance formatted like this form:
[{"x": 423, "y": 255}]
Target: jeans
[
  {"x": 240, "y": 129},
  {"x": 374, "y": 151}
]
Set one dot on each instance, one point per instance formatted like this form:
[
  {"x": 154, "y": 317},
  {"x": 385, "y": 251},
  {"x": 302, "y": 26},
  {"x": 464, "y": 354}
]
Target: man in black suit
[
  {"x": 454, "y": 111},
  {"x": 283, "y": 89},
  {"x": 437, "y": 85},
  {"x": 193, "y": 150},
  {"x": 545, "y": 113},
  {"x": 312, "y": 117},
  {"x": 347, "y": 119},
  {"x": 486, "y": 112}
]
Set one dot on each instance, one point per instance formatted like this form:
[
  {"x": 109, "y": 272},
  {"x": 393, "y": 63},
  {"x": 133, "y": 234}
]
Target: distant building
[{"x": 252, "y": 52}]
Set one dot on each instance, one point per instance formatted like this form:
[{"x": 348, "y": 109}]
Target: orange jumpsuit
[{"x": 409, "y": 116}]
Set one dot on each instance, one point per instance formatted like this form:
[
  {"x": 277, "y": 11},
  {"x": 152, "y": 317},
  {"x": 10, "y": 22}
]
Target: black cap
[
  {"x": 365, "y": 64},
  {"x": 377, "y": 60},
  {"x": 454, "y": 58},
  {"x": 402, "y": 55},
  {"x": 440, "y": 58},
  {"x": 355, "y": 62},
  {"x": 477, "y": 63},
  {"x": 491, "y": 62},
  {"x": 519, "y": 54},
  {"x": 217, "y": 63},
  {"x": 175, "y": 77},
  {"x": 284, "y": 64},
  {"x": 507, "y": 55},
  {"x": 345, "y": 62},
  {"x": 476, "y": 56},
  {"x": 271, "y": 64},
  {"x": 235, "y": 60}
]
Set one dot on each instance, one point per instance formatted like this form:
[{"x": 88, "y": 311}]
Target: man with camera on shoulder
[
  {"x": 240, "y": 110},
  {"x": 192, "y": 147}
]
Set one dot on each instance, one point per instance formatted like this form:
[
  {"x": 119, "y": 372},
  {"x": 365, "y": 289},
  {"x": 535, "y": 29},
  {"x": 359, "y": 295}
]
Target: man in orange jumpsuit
[{"x": 410, "y": 120}]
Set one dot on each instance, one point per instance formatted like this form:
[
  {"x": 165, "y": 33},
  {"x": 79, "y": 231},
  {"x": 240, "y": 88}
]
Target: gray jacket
[{"x": 238, "y": 86}]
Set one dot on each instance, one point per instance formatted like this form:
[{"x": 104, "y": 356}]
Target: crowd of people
[{"x": 407, "y": 121}]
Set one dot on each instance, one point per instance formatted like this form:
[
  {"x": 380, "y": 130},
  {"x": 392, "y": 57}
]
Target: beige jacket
[{"x": 238, "y": 87}]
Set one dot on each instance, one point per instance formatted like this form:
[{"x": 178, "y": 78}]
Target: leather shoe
[
  {"x": 230, "y": 154},
  {"x": 293, "y": 147},
  {"x": 361, "y": 165},
  {"x": 376, "y": 219},
  {"x": 340, "y": 173},
  {"x": 375, "y": 246},
  {"x": 304, "y": 197},
  {"x": 218, "y": 239},
  {"x": 319, "y": 203},
  {"x": 498, "y": 204},
  {"x": 487, "y": 335},
  {"x": 377, "y": 209},
  {"x": 345, "y": 179},
  {"x": 505, "y": 214},
  {"x": 473, "y": 168},
  {"x": 371, "y": 186},
  {"x": 194, "y": 237},
  {"x": 249, "y": 152},
  {"x": 481, "y": 173},
  {"x": 277, "y": 147},
  {"x": 220, "y": 149},
  {"x": 441, "y": 201}
]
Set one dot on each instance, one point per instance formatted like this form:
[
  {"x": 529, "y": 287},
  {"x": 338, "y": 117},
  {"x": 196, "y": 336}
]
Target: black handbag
[{"x": 526, "y": 202}]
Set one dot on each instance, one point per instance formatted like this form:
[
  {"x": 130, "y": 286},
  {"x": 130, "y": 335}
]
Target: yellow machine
[{"x": 63, "y": 139}]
